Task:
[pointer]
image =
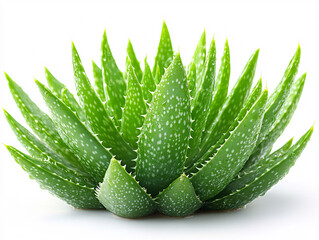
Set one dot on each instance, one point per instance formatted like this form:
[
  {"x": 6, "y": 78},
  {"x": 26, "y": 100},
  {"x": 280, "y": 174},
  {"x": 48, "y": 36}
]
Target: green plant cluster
[{"x": 170, "y": 138}]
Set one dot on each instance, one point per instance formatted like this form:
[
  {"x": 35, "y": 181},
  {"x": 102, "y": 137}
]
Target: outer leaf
[
  {"x": 75, "y": 194},
  {"x": 266, "y": 159},
  {"x": 134, "y": 62},
  {"x": 113, "y": 80},
  {"x": 257, "y": 182},
  {"x": 253, "y": 97},
  {"x": 199, "y": 61},
  {"x": 179, "y": 198},
  {"x": 92, "y": 155},
  {"x": 231, "y": 107},
  {"x": 220, "y": 88},
  {"x": 98, "y": 81},
  {"x": 97, "y": 117},
  {"x": 148, "y": 83},
  {"x": 39, "y": 151},
  {"x": 201, "y": 103},
  {"x": 134, "y": 110},
  {"x": 277, "y": 99},
  {"x": 164, "y": 54},
  {"x": 166, "y": 130},
  {"x": 232, "y": 155},
  {"x": 122, "y": 195},
  {"x": 42, "y": 125},
  {"x": 283, "y": 118}
]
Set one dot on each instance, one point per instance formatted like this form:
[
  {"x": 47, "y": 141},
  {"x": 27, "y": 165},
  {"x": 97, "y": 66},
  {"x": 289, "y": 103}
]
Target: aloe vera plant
[{"x": 164, "y": 139}]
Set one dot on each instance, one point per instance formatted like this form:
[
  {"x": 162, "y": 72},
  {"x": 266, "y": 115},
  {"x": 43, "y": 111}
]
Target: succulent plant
[{"x": 169, "y": 139}]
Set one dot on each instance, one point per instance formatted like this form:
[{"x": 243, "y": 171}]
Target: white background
[{"x": 34, "y": 34}]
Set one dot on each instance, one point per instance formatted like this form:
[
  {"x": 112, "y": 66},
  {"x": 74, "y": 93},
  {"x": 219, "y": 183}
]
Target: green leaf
[
  {"x": 253, "y": 97},
  {"x": 220, "y": 88},
  {"x": 232, "y": 154},
  {"x": 47, "y": 175},
  {"x": 258, "y": 181},
  {"x": 148, "y": 83},
  {"x": 191, "y": 78},
  {"x": 42, "y": 125},
  {"x": 158, "y": 75},
  {"x": 200, "y": 104},
  {"x": 165, "y": 132},
  {"x": 134, "y": 110},
  {"x": 92, "y": 155},
  {"x": 199, "y": 61},
  {"x": 266, "y": 159},
  {"x": 134, "y": 62},
  {"x": 113, "y": 80},
  {"x": 122, "y": 195},
  {"x": 164, "y": 54},
  {"x": 282, "y": 120},
  {"x": 61, "y": 91},
  {"x": 100, "y": 90},
  {"x": 97, "y": 117},
  {"x": 179, "y": 198},
  {"x": 98, "y": 81},
  {"x": 232, "y": 106},
  {"x": 278, "y": 97}
]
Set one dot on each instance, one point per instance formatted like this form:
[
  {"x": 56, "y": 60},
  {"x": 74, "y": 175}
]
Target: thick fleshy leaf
[
  {"x": 191, "y": 78},
  {"x": 259, "y": 180},
  {"x": 98, "y": 120},
  {"x": 199, "y": 61},
  {"x": 264, "y": 161},
  {"x": 282, "y": 120},
  {"x": 166, "y": 131},
  {"x": 134, "y": 110},
  {"x": 232, "y": 106},
  {"x": 253, "y": 97},
  {"x": 278, "y": 97},
  {"x": 48, "y": 176},
  {"x": 164, "y": 54},
  {"x": 179, "y": 198},
  {"x": 134, "y": 62},
  {"x": 148, "y": 83},
  {"x": 98, "y": 81},
  {"x": 42, "y": 125},
  {"x": 40, "y": 151},
  {"x": 61, "y": 91},
  {"x": 122, "y": 195},
  {"x": 113, "y": 80},
  {"x": 200, "y": 104},
  {"x": 92, "y": 155},
  {"x": 229, "y": 159},
  {"x": 220, "y": 88},
  {"x": 100, "y": 89}
]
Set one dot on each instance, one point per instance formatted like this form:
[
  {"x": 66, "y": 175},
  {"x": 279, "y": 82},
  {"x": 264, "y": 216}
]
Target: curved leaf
[
  {"x": 200, "y": 104},
  {"x": 258, "y": 181},
  {"x": 97, "y": 117},
  {"x": 232, "y": 106},
  {"x": 75, "y": 194},
  {"x": 232, "y": 155},
  {"x": 92, "y": 155}
]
